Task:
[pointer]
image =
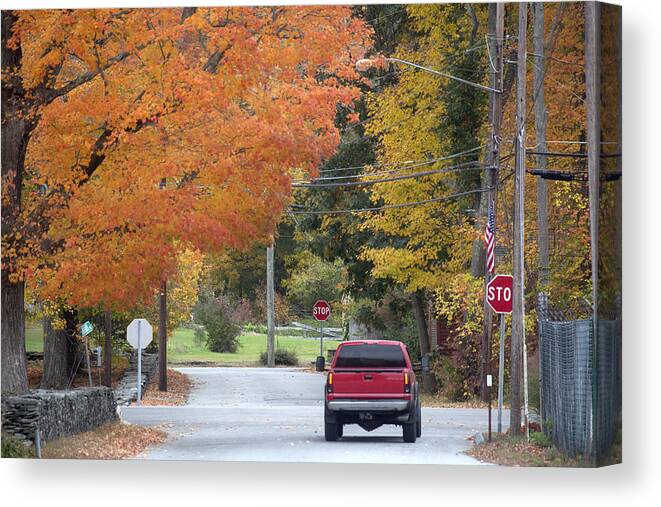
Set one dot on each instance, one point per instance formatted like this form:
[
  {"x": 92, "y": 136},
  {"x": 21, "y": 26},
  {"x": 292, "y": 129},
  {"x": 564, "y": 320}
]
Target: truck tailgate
[{"x": 366, "y": 383}]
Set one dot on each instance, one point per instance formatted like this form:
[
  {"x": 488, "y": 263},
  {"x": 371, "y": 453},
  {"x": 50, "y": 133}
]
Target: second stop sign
[{"x": 321, "y": 310}]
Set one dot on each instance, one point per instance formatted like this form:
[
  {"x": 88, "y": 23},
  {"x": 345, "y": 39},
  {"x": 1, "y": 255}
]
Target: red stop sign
[
  {"x": 499, "y": 293},
  {"x": 321, "y": 310}
]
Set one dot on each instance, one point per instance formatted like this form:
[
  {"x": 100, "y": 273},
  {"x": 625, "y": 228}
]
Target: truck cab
[{"x": 371, "y": 383}]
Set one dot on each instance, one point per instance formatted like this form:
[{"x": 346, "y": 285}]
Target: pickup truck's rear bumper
[{"x": 368, "y": 405}]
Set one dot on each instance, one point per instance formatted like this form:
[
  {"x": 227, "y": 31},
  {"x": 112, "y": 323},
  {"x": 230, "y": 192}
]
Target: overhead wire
[
  {"x": 387, "y": 206},
  {"x": 384, "y": 180},
  {"x": 403, "y": 163},
  {"x": 397, "y": 170}
]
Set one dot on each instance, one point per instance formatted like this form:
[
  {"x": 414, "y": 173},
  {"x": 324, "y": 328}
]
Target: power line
[
  {"x": 568, "y": 142},
  {"x": 397, "y": 170},
  {"x": 404, "y": 163},
  {"x": 572, "y": 155},
  {"x": 386, "y": 206},
  {"x": 384, "y": 180}
]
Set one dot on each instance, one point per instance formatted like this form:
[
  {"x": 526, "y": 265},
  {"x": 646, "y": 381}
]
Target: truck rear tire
[
  {"x": 332, "y": 431},
  {"x": 409, "y": 432},
  {"x": 418, "y": 421}
]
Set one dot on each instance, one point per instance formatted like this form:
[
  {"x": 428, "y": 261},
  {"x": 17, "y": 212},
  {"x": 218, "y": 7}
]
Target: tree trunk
[
  {"x": 107, "y": 350},
  {"x": 418, "y": 305},
  {"x": 15, "y": 134},
  {"x": 14, "y": 372},
  {"x": 60, "y": 349}
]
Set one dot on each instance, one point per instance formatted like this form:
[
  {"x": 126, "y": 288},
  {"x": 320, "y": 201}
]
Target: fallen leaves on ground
[
  {"x": 438, "y": 401},
  {"x": 179, "y": 386},
  {"x": 35, "y": 371},
  {"x": 509, "y": 451},
  {"x": 116, "y": 440}
]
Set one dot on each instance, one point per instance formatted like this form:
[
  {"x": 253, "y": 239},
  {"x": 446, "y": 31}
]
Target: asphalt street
[{"x": 261, "y": 414}]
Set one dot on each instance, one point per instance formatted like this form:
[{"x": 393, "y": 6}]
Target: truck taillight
[
  {"x": 407, "y": 384},
  {"x": 329, "y": 383}
]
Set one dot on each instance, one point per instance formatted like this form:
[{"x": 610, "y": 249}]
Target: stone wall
[
  {"x": 57, "y": 413},
  {"x": 127, "y": 388}
]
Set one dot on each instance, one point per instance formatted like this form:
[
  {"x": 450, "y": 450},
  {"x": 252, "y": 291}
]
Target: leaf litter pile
[
  {"x": 116, "y": 440},
  {"x": 504, "y": 450},
  {"x": 179, "y": 386}
]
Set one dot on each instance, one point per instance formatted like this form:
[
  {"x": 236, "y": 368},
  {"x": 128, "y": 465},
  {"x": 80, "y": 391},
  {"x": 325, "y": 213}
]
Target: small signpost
[
  {"x": 86, "y": 329},
  {"x": 139, "y": 335},
  {"x": 321, "y": 311},
  {"x": 499, "y": 297},
  {"x": 489, "y": 384}
]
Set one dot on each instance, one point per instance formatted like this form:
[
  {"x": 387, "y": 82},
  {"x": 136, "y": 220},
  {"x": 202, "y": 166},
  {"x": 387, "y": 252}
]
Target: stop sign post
[
  {"x": 321, "y": 311},
  {"x": 499, "y": 297},
  {"x": 139, "y": 335},
  {"x": 499, "y": 293}
]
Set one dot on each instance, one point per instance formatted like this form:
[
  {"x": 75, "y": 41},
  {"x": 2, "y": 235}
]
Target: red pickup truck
[{"x": 371, "y": 383}]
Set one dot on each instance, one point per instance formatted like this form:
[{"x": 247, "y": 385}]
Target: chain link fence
[{"x": 580, "y": 404}]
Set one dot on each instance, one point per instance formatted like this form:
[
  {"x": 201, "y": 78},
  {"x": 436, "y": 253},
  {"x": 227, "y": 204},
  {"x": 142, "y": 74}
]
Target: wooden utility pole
[
  {"x": 496, "y": 31},
  {"x": 539, "y": 70},
  {"x": 163, "y": 327},
  {"x": 518, "y": 302},
  {"x": 592, "y": 102},
  {"x": 270, "y": 308},
  {"x": 163, "y": 337},
  {"x": 107, "y": 350}
]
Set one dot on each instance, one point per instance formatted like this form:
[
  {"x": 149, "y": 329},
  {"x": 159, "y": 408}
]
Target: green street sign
[{"x": 86, "y": 328}]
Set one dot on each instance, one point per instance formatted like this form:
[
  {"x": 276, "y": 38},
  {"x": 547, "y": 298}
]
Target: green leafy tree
[{"x": 314, "y": 278}]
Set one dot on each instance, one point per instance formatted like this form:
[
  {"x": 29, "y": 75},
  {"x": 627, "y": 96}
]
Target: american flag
[{"x": 490, "y": 239}]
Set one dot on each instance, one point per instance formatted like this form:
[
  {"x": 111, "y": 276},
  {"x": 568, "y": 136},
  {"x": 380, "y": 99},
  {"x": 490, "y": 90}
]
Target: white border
[{"x": 637, "y": 482}]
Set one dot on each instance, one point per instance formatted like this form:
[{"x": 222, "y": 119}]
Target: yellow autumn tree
[{"x": 423, "y": 117}]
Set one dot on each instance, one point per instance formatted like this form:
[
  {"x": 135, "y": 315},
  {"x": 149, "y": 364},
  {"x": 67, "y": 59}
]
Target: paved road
[{"x": 260, "y": 414}]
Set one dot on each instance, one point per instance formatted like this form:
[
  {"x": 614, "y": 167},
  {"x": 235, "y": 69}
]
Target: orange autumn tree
[{"x": 130, "y": 135}]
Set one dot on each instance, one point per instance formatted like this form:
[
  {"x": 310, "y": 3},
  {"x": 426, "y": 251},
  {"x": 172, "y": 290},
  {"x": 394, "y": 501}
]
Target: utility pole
[
  {"x": 541, "y": 146},
  {"x": 163, "y": 337},
  {"x": 107, "y": 350},
  {"x": 518, "y": 303},
  {"x": 163, "y": 327},
  {"x": 270, "y": 308},
  {"x": 496, "y": 30},
  {"x": 593, "y": 102}
]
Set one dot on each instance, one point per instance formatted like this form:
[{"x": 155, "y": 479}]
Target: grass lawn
[
  {"x": 34, "y": 338},
  {"x": 182, "y": 348}
]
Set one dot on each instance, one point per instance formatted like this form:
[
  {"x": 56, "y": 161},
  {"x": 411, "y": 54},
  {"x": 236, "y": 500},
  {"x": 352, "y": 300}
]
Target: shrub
[
  {"x": 255, "y": 328},
  {"x": 540, "y": 439},
  {"x": 14, "y": 448},
  {"x": 283, "y": 312},
  {"x": 283, "y": 357},
  {"x": 222, "y": 329},
  {"x": 199, "y": 335},
  {"x": 243, "y": 311},
  {"x": 449, "y": 378}
]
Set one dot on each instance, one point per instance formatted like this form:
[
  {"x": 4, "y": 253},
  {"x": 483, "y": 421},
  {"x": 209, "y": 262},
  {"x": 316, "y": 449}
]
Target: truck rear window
[{"x": 370, "y": 356}]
